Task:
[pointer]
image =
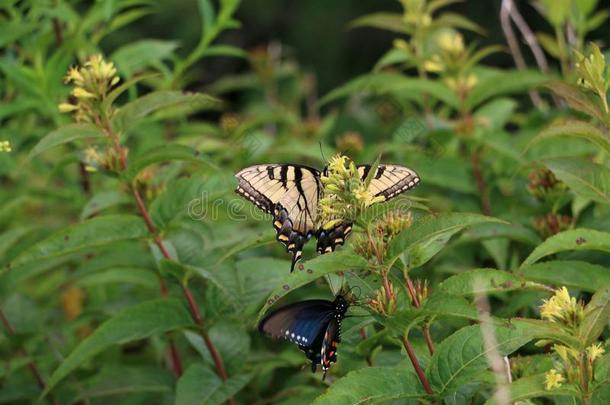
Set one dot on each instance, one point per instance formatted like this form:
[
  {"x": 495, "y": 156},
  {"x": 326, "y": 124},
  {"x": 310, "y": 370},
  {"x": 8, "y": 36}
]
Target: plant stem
[
  {"x": 152, "y": 229},
  {"x": 32, "y": 364},
  {"x": 481, "y": 186},
  {"x": 418, "y": 370}
]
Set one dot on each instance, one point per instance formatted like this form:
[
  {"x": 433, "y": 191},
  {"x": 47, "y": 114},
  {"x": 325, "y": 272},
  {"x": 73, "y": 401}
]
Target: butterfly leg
[
  {"x": 293, "y": 240},
  {"x": 329, "y": 240}
]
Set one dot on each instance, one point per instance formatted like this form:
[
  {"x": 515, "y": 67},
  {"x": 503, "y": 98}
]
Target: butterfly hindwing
[
  {"x": 291, "y": 194},
  {"x": 314, "y": 325},
  {"x": 300, "y": 322},
  {"x": 328, "y": 351}
]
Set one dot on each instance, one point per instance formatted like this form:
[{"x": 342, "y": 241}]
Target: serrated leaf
[
  {"x": 66, "y": 134},
  {"x": 573, "y": 239},
  {"x": 311, "y": 270},
  {"x": 426, "y": 237},
  {"x": 134, "y": 111},
  {"x": 373, "y": 385},
  {"x": 534, "y": 387},
  {"x": 575, "y": 129},
  {"x": 462, "y": 358},
  {"x": 571, "y": 273},
  {"x": 88, "y": 234},
  {"x": 585, "y": 178},
  {"x": 200, "y": 385},
  {"x": 504, "y": 82},
  {"x": 577, "y": 99},
  {"x": 597, "y": 316},
  {"x": 488, "y": 281},
  {"x": 133, "y": 323}
]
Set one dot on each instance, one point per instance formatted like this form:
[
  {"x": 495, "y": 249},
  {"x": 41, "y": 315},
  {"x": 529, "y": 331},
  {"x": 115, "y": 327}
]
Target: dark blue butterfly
[{"x": 314, "y": 325}]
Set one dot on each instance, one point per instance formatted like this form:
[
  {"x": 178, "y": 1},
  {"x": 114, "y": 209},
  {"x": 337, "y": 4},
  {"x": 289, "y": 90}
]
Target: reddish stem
[
  {"x": 31, "y": 365},
  {"x": 416, "y": 366},
  {"x": 481, "y": 186}
]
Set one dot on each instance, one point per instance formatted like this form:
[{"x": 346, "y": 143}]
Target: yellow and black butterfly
[{"x": 291, "y": 194}]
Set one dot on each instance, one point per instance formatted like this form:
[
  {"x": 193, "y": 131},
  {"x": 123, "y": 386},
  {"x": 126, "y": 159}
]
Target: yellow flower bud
[
  {"x": 79, "y": 92},
  {"x": 67, "y": 107}
]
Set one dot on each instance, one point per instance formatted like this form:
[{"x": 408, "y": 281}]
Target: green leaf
[
  {"x": 133, "y": 380},
  {"x": 577, "y": 99},
  {"x": 534, "y": 387},
  {"x": 373, "y": 385},
  {"x": 66, "y": 134},
  {"x": 200, "y": 385},
  {"x": 89, "y": 234},
  {"x": 232, "y": 342},
  {"x": 462, "y": 358},
  {"x": 573, "y": 239},
  {"x": 138, "y": 55},
  {"x": 134, "y": 111},
  {"x": 504, "y": 82},
  {"x": 437, "y": 306},
  {"x": 585, "y": 178},
  {"x": 392, "y": 83},
  {"x": 172, "y": 267},
  {"x": 225, "y": 50},
  {"x": 391, "y": 57},
  {"x": 426, "y": 237},
  {"x": 134, "y": 323},
  {"x": 575, "y": 129},
  {"x": 597, "y": 315},
  {"x": 488, "y": 281},
  {"x": 582, "y": 275},
  {"x": 164, "y": 153},
  {"x": 313, "y": 269},
  {"x": 386, "y": 21},
  {"x": 102, "y": 201}
]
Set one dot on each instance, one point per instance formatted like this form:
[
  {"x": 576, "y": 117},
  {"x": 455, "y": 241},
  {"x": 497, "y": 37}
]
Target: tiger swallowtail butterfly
[
  {"x": 291, "y": 194},
  {"x": 314, "y": 325}
]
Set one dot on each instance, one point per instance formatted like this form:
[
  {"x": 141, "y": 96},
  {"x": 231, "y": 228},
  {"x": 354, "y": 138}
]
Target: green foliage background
[{"x": 131, "y": 272}]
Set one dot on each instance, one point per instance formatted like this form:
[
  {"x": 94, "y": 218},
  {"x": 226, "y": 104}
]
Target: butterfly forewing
[{"x": 389, "y": 180}]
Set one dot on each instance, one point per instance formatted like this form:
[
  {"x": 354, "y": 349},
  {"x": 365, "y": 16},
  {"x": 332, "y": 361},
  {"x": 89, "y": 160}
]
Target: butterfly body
[
  {"x": 314, "y": 325},
  {"x": 291, "y": 194}
]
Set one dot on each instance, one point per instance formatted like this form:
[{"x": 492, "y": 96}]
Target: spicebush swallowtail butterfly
[
  {"x": 314, "y": 325},
  {"x": 291, "y": 193}
]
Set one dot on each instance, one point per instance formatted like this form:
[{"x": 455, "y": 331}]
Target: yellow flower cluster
[
  {"x": 562, "y": 308},
  {"x": 345, "y": 194},
  {"x": 92, "y": 82},
  {"x": 553, "y": 379},
  {"x": 595, "y": 351},
  {"x": 5, "y": 146},
  {"x": 452, "y": 43}
]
